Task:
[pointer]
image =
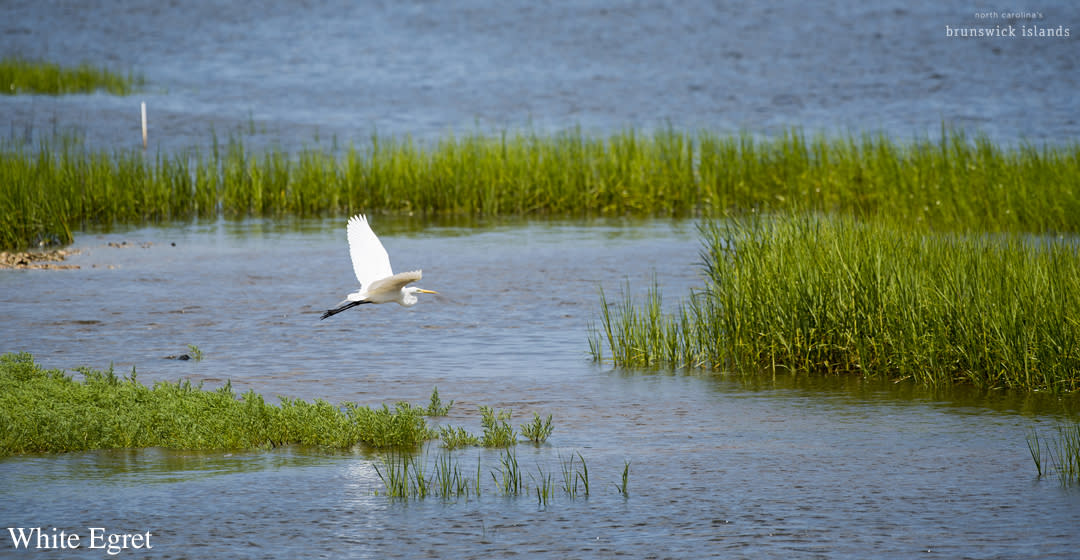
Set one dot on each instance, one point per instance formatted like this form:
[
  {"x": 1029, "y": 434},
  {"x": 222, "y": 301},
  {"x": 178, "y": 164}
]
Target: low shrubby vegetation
[{"x": 44, "y": 410}]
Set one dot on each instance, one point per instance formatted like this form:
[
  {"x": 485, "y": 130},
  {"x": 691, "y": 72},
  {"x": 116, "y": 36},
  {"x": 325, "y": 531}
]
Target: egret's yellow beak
[{"x": 423, "y": 291}]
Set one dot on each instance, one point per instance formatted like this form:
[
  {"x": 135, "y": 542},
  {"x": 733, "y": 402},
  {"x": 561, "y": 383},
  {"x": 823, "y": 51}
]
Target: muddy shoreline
[{"x": 49, "y": 259}]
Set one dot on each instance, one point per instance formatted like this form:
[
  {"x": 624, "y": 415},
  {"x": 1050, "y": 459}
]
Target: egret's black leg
[{"x": 341, "y": 308}]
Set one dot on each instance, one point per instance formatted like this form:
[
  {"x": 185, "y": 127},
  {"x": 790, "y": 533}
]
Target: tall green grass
[
  {"x": 955, "y": 183},
  {"x": 19, "y": 76},
  {"x": 812, "y": 294},
  {"x": 48, "y": 411}
]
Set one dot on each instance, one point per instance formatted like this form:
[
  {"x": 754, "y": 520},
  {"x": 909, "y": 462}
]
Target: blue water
[
  {"x": 720, "y": 466},
  {"x": 295, "y": 74}
]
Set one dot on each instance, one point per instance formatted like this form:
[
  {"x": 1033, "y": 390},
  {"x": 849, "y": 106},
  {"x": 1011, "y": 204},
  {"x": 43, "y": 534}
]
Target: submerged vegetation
[
  {"x": 816, "y": 294},
  {"x": 21, "y": 76},
  {"x": 413, "y": 476},
  {"x": 956, "y": 183},
  {"x": 49, "y": 411}
]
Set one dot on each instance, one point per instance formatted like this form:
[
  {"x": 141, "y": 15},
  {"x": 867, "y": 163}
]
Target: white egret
[{"x": 378, "y": 283}]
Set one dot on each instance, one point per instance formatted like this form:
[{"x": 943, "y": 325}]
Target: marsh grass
[
  {"x": 1062, "y": 453},
  {"x": 574, "y": 479},
  {"x": 955, "y": 183},
  {"x": 623, "y": 486},
  {"x": 413, "y": 475},
  {"x": 509, "y": 481},
  {"x": 808, "y": 294},
  {"x": 538, "y": 430},
  {"x": 543, "y": 485},
  {"x": 435, "y": 405},
  {"x": 1035, "y": 448},
  {"x": 497, "y": 429},
  {"x": 394, "y": 474},
  {"x": 456, "y": 437},
  {"x": 49, "y": 411},
  {"x": 22, "y": 76},
  {"x": 195, "y": 352},
  {"x": 449, "y": 478}
]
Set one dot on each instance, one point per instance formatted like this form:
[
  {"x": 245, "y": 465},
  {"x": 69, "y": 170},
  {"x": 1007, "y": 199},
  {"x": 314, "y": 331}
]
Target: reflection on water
[{"x": 763, "y": 466}]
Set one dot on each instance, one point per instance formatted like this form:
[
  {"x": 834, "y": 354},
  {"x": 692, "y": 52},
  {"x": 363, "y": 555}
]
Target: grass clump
[
  {"x": 1062, "y": 453},
  {"x": 574, "y": 479},
  {"x": 456, "y": 437},
  {"x": 538, "y": 430},
  {"x": 435, "y": 405},
  {"x": 48, "y": 411},
  {"x": 811, "y": 294},
  {"x": 414, "y": 475},
  {"x": 955, "y": 183},
  {"x": 22, "y": 76},
  {"x": 497, "y": 429}
]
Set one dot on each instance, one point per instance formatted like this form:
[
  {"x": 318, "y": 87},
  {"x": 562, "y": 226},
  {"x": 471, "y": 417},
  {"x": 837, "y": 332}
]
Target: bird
[{"x": 378, "y": 283}]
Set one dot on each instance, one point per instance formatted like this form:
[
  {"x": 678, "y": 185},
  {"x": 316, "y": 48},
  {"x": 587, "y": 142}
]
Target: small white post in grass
[{"x": 144, "y": 126}]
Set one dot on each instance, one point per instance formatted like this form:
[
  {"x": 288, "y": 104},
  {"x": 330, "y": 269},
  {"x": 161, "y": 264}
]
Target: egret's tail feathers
[{"x": 344, "y": 305}]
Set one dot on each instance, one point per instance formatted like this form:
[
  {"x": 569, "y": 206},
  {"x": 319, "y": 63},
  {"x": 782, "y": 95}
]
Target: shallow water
[
  {"x": 720, "y": 465},
  {"x": 292, "y": 72}
]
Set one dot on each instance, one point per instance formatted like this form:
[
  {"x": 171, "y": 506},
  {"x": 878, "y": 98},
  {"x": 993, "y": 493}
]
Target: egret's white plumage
[{"x": 378, "y": 283}]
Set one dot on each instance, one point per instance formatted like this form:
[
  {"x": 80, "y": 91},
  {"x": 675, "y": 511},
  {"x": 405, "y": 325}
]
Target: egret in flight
[{"x": 378, "y": 283}]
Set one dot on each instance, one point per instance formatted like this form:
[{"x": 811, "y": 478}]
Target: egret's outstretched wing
[
  {"x": 369, "y": 259},
  {"x": 387, "y": 289}
]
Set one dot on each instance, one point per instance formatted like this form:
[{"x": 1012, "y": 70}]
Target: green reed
[
  {"x": 449, "y": 478},
  {"x": 623, "y": 487},
  {"x": 22, "y": 76},
  {"x": 1062, "y": 453},
  {"x": 1035, "y": 448},
  {"x": 48, "y": 411},
  {"x": 574, "y": 478},
  {"x": 394, "y": 474},
  {"x": 413, "y": 475},
  {"x": 954, "y": 183},
  {"x": 813, "y": 294},
  {"x": 545, "y": 488},
  {"x": 509, "y": 480}
]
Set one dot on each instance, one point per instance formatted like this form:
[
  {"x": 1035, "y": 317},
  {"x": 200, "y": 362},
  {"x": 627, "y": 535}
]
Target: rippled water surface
[
  {"x": 719, "y": 465},
  {"x": 293, "y": 71}
]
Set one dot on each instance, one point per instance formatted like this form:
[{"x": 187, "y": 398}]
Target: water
[
  {"x": 754, "y": 468},
  {"x": 765, "y": 468},
  {"x": 293, "y": 74}
]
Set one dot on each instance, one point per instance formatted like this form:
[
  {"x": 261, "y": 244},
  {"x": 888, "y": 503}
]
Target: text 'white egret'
[{"x": 378, "y": 283}]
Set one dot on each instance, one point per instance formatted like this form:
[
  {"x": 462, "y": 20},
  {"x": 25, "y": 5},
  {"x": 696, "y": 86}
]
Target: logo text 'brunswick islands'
[{"x": 1010, "y": 29}]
